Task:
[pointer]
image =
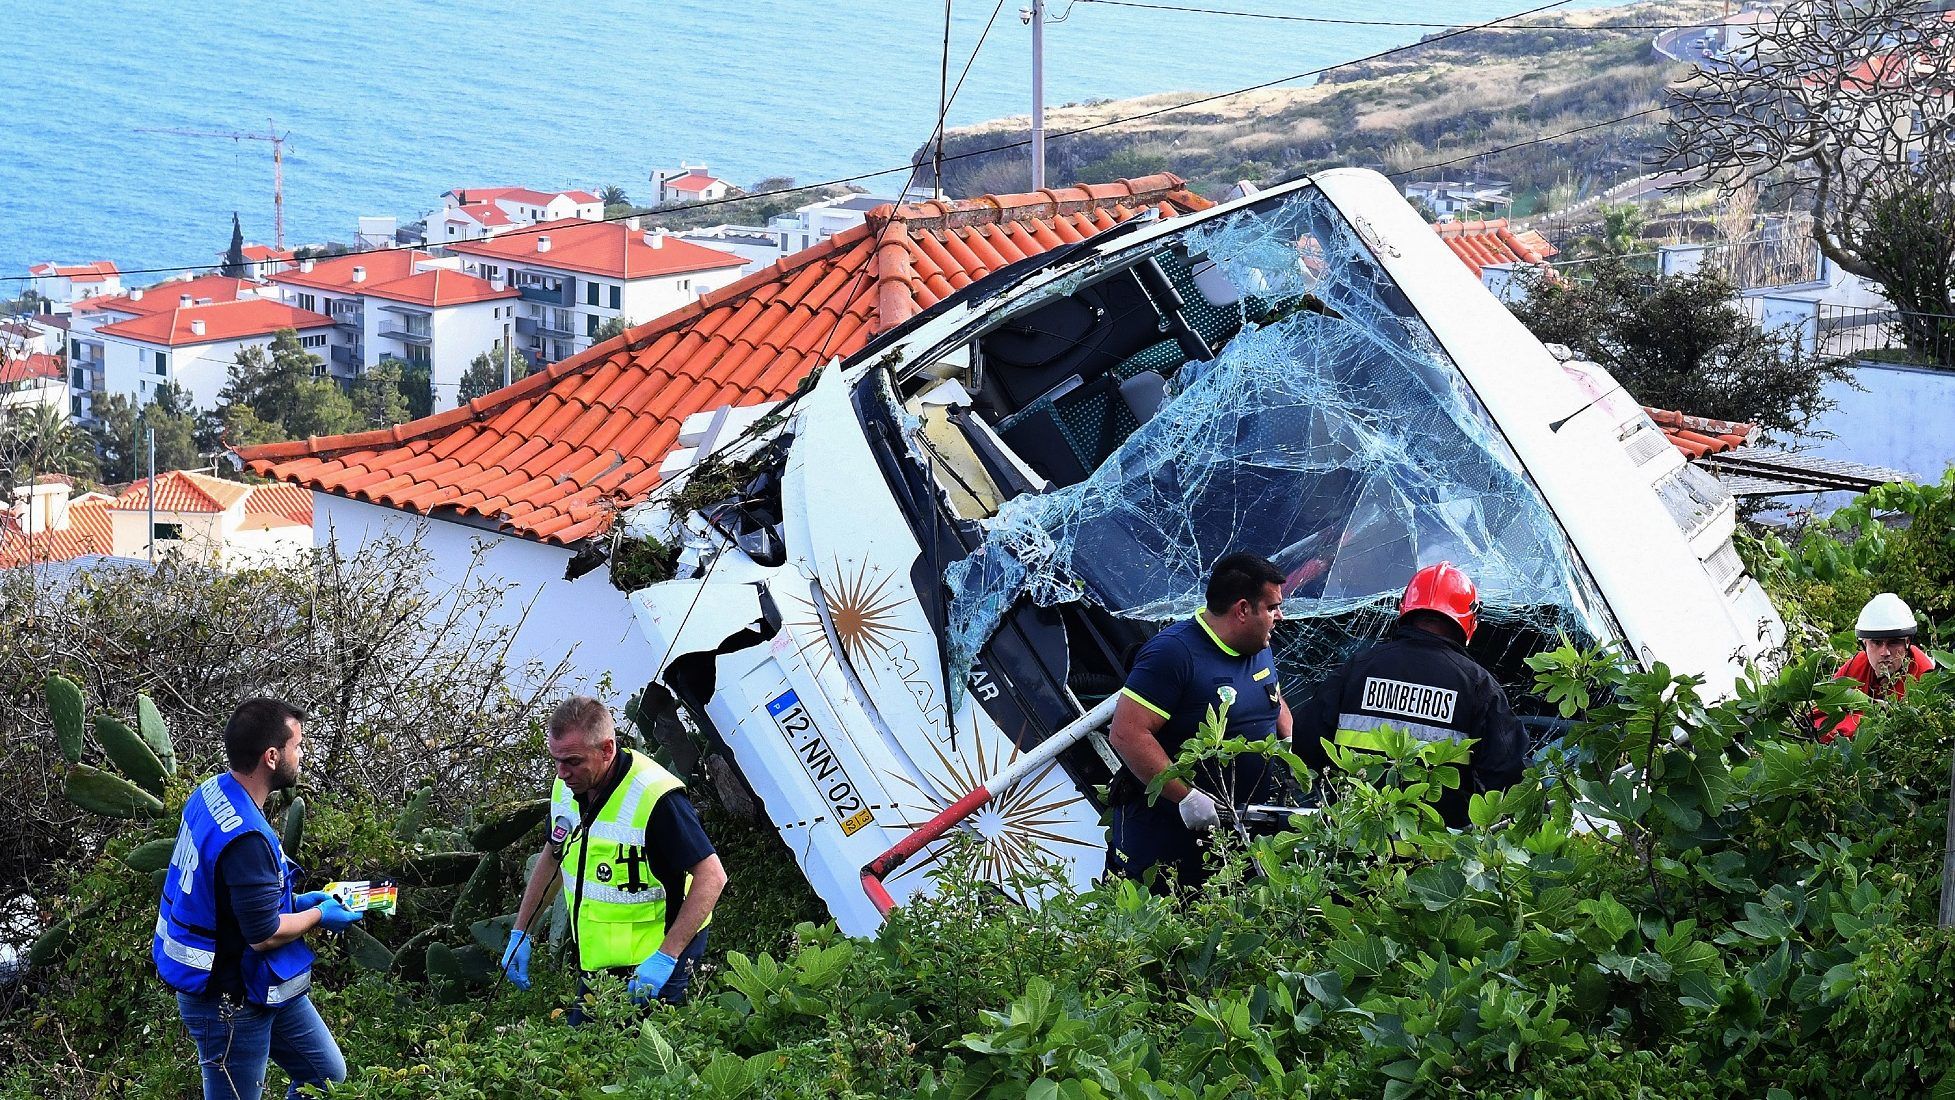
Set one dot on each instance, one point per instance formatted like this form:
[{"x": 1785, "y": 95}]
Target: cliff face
[{"x": 1437, "y": 102}]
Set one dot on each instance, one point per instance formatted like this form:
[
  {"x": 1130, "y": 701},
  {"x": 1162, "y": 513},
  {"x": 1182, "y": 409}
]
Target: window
[
  {"x": 312, "y": 341},
  {"x": 162, "y": 363},
  {"x": 685, "y": 285},
  {"x": 617, "y": 297},
  {"x": 78, "y": 378},
  {"x": 419, "y": 355},
  {"x": 591, "y": 293},
  {"x": 451, "y": 231},
  {"x": 308, "y": 303},
  {"x": 590, "y": 324},
  {"x": 74, "y": 406},
  {"x": 166, "y": 532}
]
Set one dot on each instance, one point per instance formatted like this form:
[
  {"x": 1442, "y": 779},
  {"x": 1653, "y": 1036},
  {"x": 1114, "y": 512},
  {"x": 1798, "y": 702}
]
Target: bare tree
[{"x": 1850, "y": 102}]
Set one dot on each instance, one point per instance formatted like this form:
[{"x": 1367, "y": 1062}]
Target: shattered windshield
[{"x": 1331, "y": 434}]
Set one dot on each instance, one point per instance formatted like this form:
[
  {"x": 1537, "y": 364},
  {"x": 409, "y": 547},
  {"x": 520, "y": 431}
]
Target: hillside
[{"x": 1436, "y": 102}]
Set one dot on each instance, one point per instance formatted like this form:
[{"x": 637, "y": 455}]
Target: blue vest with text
[{"x": 218, "y": 812}]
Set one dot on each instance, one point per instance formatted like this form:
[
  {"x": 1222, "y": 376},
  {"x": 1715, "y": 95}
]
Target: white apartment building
[
  {"x": 574, "y": 276},
  {"x": 686, "y": 183},
  {"x": 403, "y": 304},
  {"x": 33, "y": 378},
  {"x": 194, "y": 345},
  {"x": 88, "y": 349},
  {"x": 758, "y": 245},
  {"x": 62, "y": 285},
  {"x": 472, "y": 213},
  {"x": 816, "y": 222}
]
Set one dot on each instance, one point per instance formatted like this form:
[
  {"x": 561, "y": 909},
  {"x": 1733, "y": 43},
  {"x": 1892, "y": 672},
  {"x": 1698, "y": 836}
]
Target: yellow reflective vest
[{"x": 616, "y": 904}]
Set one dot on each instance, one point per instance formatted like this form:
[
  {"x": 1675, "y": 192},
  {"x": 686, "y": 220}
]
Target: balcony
[
  {"x": 558, "y": 296},
  {"x": 345, "y": 356},
  {"x": 406, "y": 335}
]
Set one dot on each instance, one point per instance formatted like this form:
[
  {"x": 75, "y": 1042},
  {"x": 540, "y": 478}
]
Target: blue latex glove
[
  {"x": 335, "y": 916},
  {"x": 515, "y": 959},
  {"x": 652, "y": 976},
  {"x": 309, "y": 899}
]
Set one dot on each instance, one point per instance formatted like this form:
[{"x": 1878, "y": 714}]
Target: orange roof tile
[
  {"x": 144, "y": 301},
  {"x": 280, "y": 499},
  {"x": 554, "y": 456},
  {"x": 183, "y": 491},
  {"x": 244, "y": 318},
  {"x": 88, "y": 532},
  {"x": 94, "y": 272},
  {"x": 260, "y": 253},
  {"x": 26, "y": 368},
  {"x": 1479, "y": 244},
  {"x": 471, "y": 195},
  {"x": 1698, "y": 436},
  {"x": 440, "y": 287},
  {"x": 611, "y": 249},
  {"x": 335, "y": 273}
]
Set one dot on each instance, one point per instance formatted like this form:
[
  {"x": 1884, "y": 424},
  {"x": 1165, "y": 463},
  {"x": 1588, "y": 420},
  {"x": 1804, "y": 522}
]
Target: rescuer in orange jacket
[{"x": 1887, "y": 660}]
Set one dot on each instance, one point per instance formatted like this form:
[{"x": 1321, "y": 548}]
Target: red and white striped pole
[{"x": 885, "y": 864}]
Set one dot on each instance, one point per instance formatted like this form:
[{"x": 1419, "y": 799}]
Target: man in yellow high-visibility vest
[{"x": 640, "y": 877}]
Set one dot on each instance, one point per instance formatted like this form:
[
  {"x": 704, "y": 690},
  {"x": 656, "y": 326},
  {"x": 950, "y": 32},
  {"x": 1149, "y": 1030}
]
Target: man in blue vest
[
  {"x": 230, "y": 934},
  {"x": 1221, "y": 655},
  {"x": 640, "y": 878}
]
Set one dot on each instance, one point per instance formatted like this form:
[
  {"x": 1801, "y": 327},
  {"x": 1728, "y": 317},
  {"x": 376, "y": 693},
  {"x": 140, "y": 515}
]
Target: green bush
[{"x": 1682, "y": 899}]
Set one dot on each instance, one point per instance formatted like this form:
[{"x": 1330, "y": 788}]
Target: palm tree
[
  {"x": 613, "y": 195},
  {"x": 40, "y": 439}
]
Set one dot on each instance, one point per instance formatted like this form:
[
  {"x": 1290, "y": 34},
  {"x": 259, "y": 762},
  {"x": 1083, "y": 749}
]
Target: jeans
[
  {"x": 234, "y": 1040},
  {"x": 676, "y": 990}
]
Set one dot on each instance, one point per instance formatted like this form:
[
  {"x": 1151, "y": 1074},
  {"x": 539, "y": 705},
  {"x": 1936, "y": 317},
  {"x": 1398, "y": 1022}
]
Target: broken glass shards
[{"x": 1332, "y": 435}]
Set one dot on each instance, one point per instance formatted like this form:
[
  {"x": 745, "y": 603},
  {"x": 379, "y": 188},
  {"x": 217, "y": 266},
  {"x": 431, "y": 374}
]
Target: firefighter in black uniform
[{"x": 1421, "y": 680}]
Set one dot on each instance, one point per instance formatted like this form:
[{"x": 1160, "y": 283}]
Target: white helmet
[{"x": 1885, "y": 616}]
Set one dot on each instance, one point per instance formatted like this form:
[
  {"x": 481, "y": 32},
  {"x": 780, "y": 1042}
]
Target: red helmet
[{"x": 1446, "y": 590}]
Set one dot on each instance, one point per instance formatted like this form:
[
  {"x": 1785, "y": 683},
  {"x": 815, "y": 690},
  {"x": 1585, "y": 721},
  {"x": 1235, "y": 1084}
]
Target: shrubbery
[{"x": 1685, "y": 899}]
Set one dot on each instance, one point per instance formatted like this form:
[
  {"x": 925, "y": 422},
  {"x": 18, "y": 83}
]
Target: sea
[{"x": 385, "y": 104}]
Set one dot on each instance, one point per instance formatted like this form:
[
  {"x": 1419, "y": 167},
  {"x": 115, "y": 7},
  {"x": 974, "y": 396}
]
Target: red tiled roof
[
  {"x": 88, "y": 532},
  {"x": 471, "y": 195},
  {"x": 183, "y": 491},
  {"x": 1479, "y": 244},
  {"x": 691, "y": 181},
  {"x": 280, "y": 499},
  {"x": 611, "y": 249},
  {"x": 78, "y": 273},
  {"x": 260, "y": 253},
  {"x": 237, "y": 320},
  {"x": 335, "y": 273},
  {"x": 167, "y": 295},
  {"x": 555, "y": 455},
  {"x": 1698, "y": 436},
  {"x": 390, "y": 274},
  {"x": 485, "y": 213},
  {"x": 26, "y": 368},
  {"x": 439, "y": 287}
]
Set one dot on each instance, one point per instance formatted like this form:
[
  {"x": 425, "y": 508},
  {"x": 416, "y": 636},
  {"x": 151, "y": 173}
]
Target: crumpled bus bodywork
[{"x": 947, "y": 547}]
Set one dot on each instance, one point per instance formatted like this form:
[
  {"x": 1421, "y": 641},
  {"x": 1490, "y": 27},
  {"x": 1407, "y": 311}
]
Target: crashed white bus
[{"x": 909, "y": 610}]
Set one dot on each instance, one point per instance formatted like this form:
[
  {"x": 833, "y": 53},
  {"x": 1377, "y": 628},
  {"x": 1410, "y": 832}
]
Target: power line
[
  {"x": 1322, "y": 19},
  {"x": 967, "y": 154}
]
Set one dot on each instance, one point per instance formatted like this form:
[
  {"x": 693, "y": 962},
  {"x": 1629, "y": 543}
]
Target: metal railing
[{"x": 1878, "y": 334}]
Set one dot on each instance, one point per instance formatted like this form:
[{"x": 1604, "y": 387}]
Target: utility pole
[
  {"x": 1037, "y": 16},
  {"x": 277, "y": 141},
  {"x": 149, "y": 430},
  {"x": 506, "y": 354}
]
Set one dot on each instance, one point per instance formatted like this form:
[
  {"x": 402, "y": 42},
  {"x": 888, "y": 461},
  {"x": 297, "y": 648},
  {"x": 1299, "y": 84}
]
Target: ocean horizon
[{"x": 387, "y": 105}]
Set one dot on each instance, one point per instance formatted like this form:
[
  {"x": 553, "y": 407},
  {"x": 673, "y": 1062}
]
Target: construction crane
[{"x": 277, "y": 141}]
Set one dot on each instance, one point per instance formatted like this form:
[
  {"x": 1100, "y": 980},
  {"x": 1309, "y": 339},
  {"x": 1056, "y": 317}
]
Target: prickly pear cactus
[
  {"x": 409, "y": 825},
  {"x": 290, "y": 837},
  {"x": 110, "y": 795},
  {"x": 149, "y": 723},
  {"x": 66, "y": 708},
  {"x": 130, "y": 754}
]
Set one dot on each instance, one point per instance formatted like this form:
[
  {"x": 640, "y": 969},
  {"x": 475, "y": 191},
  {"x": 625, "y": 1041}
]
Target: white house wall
[{"x": 586, "y": 620}]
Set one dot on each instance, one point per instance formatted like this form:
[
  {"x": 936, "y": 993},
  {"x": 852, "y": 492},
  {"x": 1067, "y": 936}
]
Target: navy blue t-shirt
[
  {"x": 249, "y": 883},
  {"x": 1184, "y": 670}
]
